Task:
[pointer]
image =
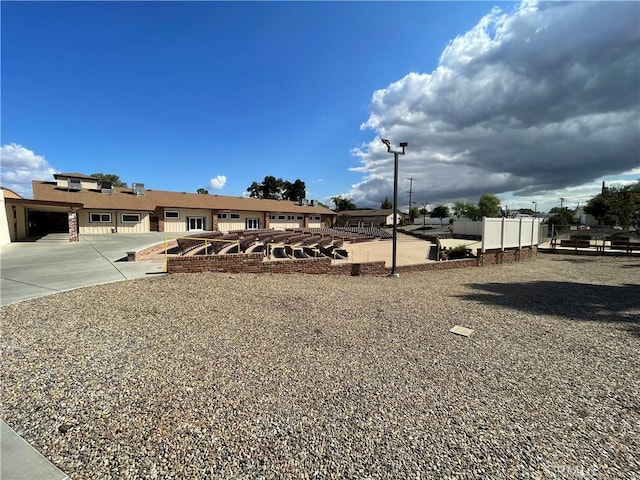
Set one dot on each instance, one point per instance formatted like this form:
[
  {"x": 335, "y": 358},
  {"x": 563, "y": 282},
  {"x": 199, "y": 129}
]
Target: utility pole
[
  {"x": 410, "y": 194},
  {"x": 561, "y": 202}
]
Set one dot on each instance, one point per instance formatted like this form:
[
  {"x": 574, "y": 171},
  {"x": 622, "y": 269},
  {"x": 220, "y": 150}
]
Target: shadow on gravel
[{"x": 575, "y": 301}]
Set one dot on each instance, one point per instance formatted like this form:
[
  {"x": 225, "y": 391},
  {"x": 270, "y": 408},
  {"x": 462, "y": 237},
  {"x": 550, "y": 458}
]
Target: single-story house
[
  {"x": 80, "y": 204},
  {"x": 368, "y": 218}
]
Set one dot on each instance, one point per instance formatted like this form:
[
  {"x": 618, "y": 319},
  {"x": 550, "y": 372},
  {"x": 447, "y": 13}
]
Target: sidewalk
[
  {"x": 53, "y": 264},
  {"x": 50, "y": 265},
  {"x": 20, "y": 461}
]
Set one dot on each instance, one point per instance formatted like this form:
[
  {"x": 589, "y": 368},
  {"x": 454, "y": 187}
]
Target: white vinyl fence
[
  {"x": 509, "y": 233},
  {"x": 501, "y": 233},
  {"x": 467, "y": 227}
]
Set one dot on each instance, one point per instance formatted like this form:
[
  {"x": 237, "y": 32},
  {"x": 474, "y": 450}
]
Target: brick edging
[{"x": 254, "y": 263}]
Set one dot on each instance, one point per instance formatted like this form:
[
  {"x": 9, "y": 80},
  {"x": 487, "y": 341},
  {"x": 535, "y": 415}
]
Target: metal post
[
  {"x": 394, "y": 272},
  {"x": 403, "y": 145}
]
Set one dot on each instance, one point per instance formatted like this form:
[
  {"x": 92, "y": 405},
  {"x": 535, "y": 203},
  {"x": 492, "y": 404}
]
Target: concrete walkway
[
  {"x": 20, "y": 461},
  {"x": 50, "y": 265},
  {"x": 53, "y": 264}
]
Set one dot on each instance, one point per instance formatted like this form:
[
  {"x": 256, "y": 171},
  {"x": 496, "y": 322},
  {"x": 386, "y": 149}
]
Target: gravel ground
[{"x": 294, "y": 376}]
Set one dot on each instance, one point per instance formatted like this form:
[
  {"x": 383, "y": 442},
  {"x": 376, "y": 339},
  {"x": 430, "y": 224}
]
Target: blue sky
[{"x": 219, "y": 94}]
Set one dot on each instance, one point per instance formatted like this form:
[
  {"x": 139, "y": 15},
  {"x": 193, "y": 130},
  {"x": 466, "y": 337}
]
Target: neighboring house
[
  {"x": 584, "y": 218},
  {"x": 368, "y": 218},
  {"x": 79, "y": 204}
]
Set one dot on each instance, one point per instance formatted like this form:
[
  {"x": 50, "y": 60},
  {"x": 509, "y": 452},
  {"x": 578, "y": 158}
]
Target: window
[
  {"x": 130, "y": 217},
  {"x": 314, "y": 217},
  {"x": 100, "y": 218},
  {"x": 299, "y": 217},
  {"x": 281, "y": 217},
  {"x": 273, "y": 217},
  {"x": 171, "y": 214},
  {"x": 235, "y": 216},
  {"x": 222, "y": 216}
]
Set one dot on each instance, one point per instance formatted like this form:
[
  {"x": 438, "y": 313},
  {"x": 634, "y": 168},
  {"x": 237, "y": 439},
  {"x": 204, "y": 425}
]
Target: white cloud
[
  {"x": 218, "y": 182},
  {"x": 20, "y": 166},
  {"x": 531, "y": 101}
]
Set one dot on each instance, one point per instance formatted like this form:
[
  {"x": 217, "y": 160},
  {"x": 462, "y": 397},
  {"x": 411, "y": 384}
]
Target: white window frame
[
  {"x": 167, "y": 212},
  {"x": 299, "y": 217},
  {"x": 234, "y": 216},
  {"x": 249, "y": 222},
  {"x": 100, "y": 218},
  {"x": 222, "y": 215},
  {"x": 122, "y": 215},
  {"x": 282, "y": 217}
]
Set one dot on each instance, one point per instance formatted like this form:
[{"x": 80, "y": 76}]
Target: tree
[
  {"x": 616, "y": 205},
  {"x": 441, "y": 212},
  {"x": 414, "y": 212},
  {"x": 203, "y": 191},
  {"x": 343, "y": 204},
  {"x": 271, "y": 187},
  {"x": 466, "y": 209},
  {"x": 489, "y": 206},
  {"x": 277, "y": 189},
  {"x": 525, "y": 211},
  {"x": 109, "y": 177},
  {"x": 473, "y": 212},
  {"x": 386, "y": 204},
  {"x": 294, "y": 191},
  {"x": 561, "y": 216}
]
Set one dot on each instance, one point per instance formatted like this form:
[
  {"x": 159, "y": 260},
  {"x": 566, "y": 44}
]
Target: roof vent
[
  {"x": 302, "y": 201},
  {"x": 138, "y": 188},
  {"x": 106, "y": 187},
  {"x": 313, "y": 203},
  {"x": 74, "y": 185}
]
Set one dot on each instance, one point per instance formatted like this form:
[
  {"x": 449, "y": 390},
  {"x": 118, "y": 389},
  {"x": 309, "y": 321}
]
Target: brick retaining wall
[{"x": 254, "y": 263}]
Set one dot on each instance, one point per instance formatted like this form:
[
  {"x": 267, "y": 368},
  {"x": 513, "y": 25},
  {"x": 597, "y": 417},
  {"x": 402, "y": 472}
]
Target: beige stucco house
[{"x": 79, "y": 204}]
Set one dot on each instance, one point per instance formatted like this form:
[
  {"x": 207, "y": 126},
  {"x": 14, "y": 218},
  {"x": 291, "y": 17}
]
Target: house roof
[
  {"x": 43, "y": 204},
  {"x": 8, "y": 193},
  {"x": 80, "y": 176},
  {"x": 368, "y": 213},
  {"x": 124, "y": 199}
]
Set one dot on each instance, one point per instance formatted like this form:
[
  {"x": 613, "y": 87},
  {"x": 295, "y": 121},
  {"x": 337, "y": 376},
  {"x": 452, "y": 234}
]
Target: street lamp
[
  {"x": 535, "y": 209},
  {"x": 403, "y": 145}
]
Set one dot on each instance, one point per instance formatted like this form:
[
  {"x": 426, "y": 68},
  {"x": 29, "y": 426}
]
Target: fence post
[
  {"x": 484, "y": 233},
  {"x": 533, "y": 229},
  {"x": 520, "y": 235},
  {"x": 502, "y": 241}
]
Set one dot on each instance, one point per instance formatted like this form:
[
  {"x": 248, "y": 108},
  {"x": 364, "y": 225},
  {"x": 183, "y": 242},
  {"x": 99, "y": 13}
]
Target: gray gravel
[{"x": 246, "y": 376}]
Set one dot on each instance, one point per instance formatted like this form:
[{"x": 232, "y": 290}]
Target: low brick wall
[
  {"x": 254, "y": 263},
  {"x": 146, "y": 252},
  {"x": 231, "y": 263},
  {"x": 302, "y": 265},
  {"x": 496, "y": 257}
]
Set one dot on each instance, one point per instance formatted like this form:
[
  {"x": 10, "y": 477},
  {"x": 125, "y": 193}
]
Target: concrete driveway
[{"x": 52, "y": 264}]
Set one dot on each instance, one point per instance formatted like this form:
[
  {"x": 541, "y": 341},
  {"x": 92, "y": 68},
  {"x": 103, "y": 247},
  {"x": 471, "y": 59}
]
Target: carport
[{"x": 30, "y": 219}]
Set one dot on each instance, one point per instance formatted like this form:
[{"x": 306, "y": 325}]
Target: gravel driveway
[{"x": 294, "y": 376}]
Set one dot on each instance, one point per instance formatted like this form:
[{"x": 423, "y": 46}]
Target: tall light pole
[
  {"x": 424, "y": 216},
  {"x": 403, "y": 145},
  {"x": 535, "y": 209}
]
